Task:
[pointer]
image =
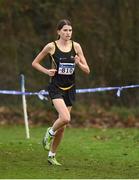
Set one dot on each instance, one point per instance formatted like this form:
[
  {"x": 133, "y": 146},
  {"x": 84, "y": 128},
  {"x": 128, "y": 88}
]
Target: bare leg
[
  {"x": 64, "y": 114},
  {"x": 58, "y": 137}
]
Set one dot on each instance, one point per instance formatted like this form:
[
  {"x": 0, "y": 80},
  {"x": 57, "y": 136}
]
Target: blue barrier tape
[{"x": 41, "y": 93}]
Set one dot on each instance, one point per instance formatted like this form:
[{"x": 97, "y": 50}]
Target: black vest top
[{"x": 65, "y": 65}]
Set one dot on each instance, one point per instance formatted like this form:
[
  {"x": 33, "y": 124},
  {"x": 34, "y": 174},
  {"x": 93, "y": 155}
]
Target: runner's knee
[{"x": 65, "y": 118}]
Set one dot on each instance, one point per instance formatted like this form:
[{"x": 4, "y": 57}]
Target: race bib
[{"x": 66, "y": 68}]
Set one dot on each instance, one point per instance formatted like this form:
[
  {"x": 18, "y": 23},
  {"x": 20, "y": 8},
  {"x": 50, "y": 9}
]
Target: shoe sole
[
  {"x": 43, "y": 144},
  {"x": 53, "y": 164}
]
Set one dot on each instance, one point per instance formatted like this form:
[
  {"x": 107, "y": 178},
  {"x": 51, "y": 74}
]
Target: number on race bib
[{"x": 66, "y": 68}]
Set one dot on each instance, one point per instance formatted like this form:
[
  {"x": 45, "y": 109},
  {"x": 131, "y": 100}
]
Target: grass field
[{"x": 84, "y": 153}]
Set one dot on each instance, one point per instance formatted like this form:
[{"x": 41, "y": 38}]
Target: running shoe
[
  {"x": 47, "y": 140},
  {"x": 52, "y": 160}
]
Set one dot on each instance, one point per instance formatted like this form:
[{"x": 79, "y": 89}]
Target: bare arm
[
  {"x": 36, "y": 62},
  {"x": 80, "y": 59}
]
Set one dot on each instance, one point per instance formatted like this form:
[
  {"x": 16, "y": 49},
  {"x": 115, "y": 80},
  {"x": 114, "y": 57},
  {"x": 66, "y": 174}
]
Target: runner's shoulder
[
  {"x": 76, "y": 45},
  {"x": 50, "y": 47}
]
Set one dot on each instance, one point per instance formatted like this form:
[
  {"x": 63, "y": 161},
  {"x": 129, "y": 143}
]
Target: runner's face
[{"x": 65, "y": 33}]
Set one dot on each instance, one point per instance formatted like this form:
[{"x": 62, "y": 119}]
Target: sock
[
  {"x": 51, "y": 132},
  {"x": 50, "y": 154}
]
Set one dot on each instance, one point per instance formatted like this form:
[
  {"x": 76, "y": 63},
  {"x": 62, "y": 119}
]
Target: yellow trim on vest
[{"x": 66, "y": 88}]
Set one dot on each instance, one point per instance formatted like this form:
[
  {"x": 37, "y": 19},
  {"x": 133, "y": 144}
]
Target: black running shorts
[{"x": 67, "y": 95}]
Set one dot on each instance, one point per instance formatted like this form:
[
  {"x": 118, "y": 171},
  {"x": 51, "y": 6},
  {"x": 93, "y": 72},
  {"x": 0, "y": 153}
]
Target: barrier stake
[{"x": 24, "y": 106}]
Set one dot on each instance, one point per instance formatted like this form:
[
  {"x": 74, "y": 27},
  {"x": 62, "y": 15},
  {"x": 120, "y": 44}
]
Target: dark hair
[{"x": 63, "y": 22}]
